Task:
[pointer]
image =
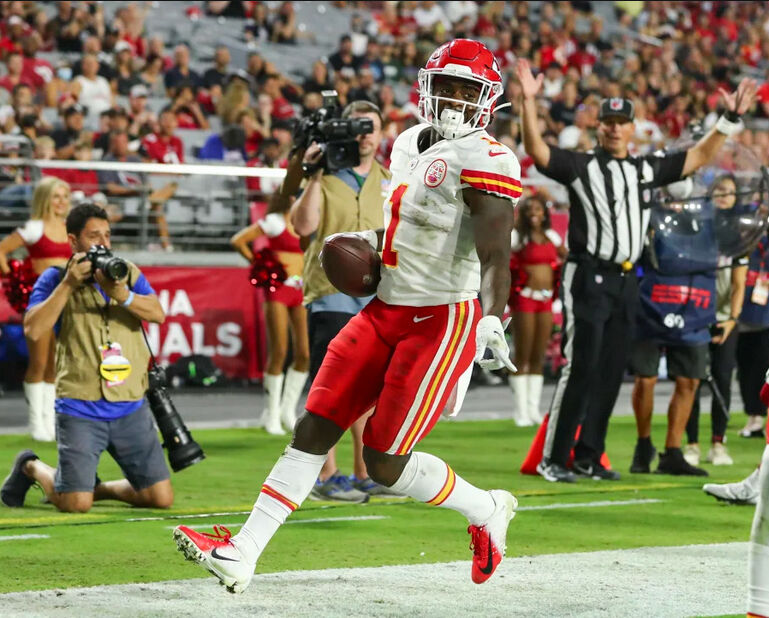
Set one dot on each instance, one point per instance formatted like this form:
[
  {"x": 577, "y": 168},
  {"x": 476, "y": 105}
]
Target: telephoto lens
[{"x": 183, "y": 451}]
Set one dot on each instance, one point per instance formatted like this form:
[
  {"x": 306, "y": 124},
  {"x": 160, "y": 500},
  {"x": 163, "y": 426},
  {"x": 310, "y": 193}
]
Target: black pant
[
  {"x": 599, "y": 319},
  {"x": 322, "y": 327},
  {"x": 722, "y": 362},
  {"x": 752, "y": 363}
]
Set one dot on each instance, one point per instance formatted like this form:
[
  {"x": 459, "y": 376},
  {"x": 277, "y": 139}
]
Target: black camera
[
  {"x": 183, "y": 451},
  {"x": 113, "y": 267},
  {"x": 334, "y": 134}
]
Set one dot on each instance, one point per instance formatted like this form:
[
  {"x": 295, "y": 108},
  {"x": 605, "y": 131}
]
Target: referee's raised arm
[{"x": 535, "y": 146}]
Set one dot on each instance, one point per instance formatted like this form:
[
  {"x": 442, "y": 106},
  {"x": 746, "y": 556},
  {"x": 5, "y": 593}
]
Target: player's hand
[
  {"x": 490, "y": 333},
  {"x": 530, "y": 85},
  {"x": 741, "y": 99},
  {"x": 114, "y": 289},
  {"x": 78, "y": 270}
]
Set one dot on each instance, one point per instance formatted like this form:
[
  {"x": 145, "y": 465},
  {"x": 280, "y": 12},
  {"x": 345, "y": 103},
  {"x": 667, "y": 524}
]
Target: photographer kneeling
[{"x": 101, "y": 377}]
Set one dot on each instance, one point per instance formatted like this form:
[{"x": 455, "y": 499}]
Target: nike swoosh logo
[
  {"x": 418, "y": 320},
  {"x": 496, "y": 154},
  {"x": 218, "y": 556},
  {"x": 486, "y": 570}
]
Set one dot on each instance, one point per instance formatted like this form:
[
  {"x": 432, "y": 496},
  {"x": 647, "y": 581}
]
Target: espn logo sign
[{"x": 680, "y": 295}]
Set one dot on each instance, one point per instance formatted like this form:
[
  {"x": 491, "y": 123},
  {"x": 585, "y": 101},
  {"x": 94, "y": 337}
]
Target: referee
[{"x": 609, "y": 194}]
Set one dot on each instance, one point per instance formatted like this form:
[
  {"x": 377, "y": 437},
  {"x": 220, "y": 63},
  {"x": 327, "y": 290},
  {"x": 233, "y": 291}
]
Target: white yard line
[
  {"x": 317, "y": 520},
  {"x": 588, "y": 505},
  {"x": 649, "y": 581},
  {"x": 24, "y": 537}
]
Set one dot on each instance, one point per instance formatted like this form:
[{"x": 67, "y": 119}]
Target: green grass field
[{"x": 105, "y": 546}]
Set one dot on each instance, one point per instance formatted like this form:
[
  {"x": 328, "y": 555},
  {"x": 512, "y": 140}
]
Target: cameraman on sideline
[
  {"x": 348, "y": 200},
  {"x": 101, "y": 378}
]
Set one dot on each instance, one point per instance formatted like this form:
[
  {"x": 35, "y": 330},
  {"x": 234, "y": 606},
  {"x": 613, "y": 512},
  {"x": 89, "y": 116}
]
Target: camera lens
[{"x": 116, "y": 268}]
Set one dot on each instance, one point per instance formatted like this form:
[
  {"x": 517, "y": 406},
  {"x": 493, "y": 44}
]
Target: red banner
[{"x": 212, "y": 311}]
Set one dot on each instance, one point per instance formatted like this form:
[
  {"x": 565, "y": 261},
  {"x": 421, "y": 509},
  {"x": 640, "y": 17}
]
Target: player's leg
[
  {"x": 297, "y": 374},
  {"x": 347, "y": 385},
  {"x": 758, "y": 548},
  {"x": 424, "y": 369},
  {"x": 523, "y": 340}
]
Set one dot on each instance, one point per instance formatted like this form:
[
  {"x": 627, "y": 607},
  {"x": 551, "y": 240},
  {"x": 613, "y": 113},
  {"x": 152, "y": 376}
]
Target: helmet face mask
[{"x": 462, "y": 60}]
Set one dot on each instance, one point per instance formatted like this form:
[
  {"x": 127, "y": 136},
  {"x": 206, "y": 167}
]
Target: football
[{"x": 351, "y": 265}]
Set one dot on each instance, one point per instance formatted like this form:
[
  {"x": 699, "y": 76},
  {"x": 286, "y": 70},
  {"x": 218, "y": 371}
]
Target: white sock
[
  {"x": 292, "y": 391},
  {"x": 288, "y": 485},
  {"x": 49, "y": 409},
  {"x": 34, "y": 393},
  {"x": 273, "y": 384},
  {"x": 758, "y": 548},
  {"x": 534, "y": 387},
  {"x": 519, "y": 384},
  {"x": 429, "y": 479}
]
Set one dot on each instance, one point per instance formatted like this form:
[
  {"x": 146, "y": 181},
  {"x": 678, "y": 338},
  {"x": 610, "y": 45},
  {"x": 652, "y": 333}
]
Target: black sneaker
[
  {"x": 672, "y": 462},
  {"x": 17, "y": 484},
  {"x": 642, "y": 457},
  {"x": 555, "y": 473},
  {"x": 595, "y": 471}
]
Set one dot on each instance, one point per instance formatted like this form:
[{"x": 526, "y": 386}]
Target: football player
[{"x": 448, "y": 219}]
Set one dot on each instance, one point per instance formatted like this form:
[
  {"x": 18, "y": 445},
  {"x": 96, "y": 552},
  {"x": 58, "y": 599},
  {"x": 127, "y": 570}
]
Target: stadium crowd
[{"x": 94, "y": 64}]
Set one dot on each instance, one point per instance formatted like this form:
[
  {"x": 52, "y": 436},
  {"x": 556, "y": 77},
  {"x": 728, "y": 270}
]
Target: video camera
[
  {"x": 335, "y": 135},
  {"x": 183, "y": 451},
  {"x": 113, "y": 267}
]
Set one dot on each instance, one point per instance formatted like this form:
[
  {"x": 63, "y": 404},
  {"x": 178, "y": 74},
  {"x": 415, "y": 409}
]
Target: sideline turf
[{"x": 102, "y": 548}]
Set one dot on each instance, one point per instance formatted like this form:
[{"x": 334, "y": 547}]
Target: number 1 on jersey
[{"x": 390, "y": 255}]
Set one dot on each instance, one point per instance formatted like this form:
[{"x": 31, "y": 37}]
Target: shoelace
[
  {"x": 220, "y": 533},
  {"x": 343, "y": 482},
  {"x": 479, "y": 540}
]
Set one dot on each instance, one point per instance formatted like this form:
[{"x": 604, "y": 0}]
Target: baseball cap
[
  {"x": 617, "y": 107},
  {"x": 122, "y": 46},
  {"x": 139, "y": 90}
]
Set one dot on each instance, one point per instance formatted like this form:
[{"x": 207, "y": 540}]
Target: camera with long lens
[
  {"x": 335, "y": 135},
  {"x": 183, "y": 451},
  {"x": 112, "y": 266}
]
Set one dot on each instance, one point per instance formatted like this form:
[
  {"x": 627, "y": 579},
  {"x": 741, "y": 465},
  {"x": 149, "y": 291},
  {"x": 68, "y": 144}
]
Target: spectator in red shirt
[
  {"x": 281, "y": 108},
  {"x": 164, "y": 146},
  {"x": 15, "y": 64},
  {"x": 187, "y": 109},
  {"x": 36, "y": 72},
  {"x": 504, "y": 54},
  {"x": 14, "y": 33}
]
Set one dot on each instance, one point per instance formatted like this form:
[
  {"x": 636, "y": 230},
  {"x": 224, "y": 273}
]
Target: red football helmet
[{"x": 464, "y": 59}]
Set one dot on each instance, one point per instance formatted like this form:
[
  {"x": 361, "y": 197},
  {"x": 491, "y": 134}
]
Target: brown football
[{"x": 351, "y": 265}]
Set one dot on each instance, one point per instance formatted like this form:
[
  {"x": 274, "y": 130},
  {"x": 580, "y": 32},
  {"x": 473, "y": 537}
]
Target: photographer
[
  {"x": 347, "y": 200},
  {"x": 101, "y": 377}
]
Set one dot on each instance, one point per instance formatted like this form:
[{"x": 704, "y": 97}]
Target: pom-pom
[
  {"x": 266, "y": 271},
  {"x": 18, "y": 284}
]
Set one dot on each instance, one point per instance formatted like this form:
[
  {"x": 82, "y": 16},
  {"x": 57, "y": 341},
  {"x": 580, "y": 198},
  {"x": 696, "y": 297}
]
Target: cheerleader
[
  {"x": 45, "y": 237},
  {"x": 284, "y": 314},
  {"x": 537, "y": 251}
]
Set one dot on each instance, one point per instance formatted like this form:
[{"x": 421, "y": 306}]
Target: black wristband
[{"x": 732, "y": 116}]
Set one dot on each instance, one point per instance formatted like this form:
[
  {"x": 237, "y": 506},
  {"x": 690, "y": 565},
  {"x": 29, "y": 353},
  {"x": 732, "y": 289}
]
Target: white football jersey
[{"x": 428, "y": 255}]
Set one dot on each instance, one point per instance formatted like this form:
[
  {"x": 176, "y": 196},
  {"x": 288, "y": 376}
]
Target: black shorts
[
  {"x": 132, "y": 440},
  {"x": 683, "y": 361},
  {"x": 323, "y": 326}
]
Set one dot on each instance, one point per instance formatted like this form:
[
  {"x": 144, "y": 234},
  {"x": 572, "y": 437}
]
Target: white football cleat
[
  {"x": 216, "y": 553},
  {"x": 743, "y": 492},
  {"x": 490, "y": 539}
]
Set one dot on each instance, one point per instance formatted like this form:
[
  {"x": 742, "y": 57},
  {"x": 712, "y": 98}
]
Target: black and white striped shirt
[{"x": 609, "y": 198}]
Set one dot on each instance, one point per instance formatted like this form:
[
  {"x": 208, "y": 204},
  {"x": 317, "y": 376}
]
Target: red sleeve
[{"x": 179, "y": 148}]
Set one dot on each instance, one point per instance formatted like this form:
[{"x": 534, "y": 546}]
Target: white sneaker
[
  {"x": 489, "y": 540},
  {"x": 743, "y": 492},
  {"x": 692, "y": 454},
  {"x": 718, "y": 455},
  {"x": 216, "y": 553}
]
